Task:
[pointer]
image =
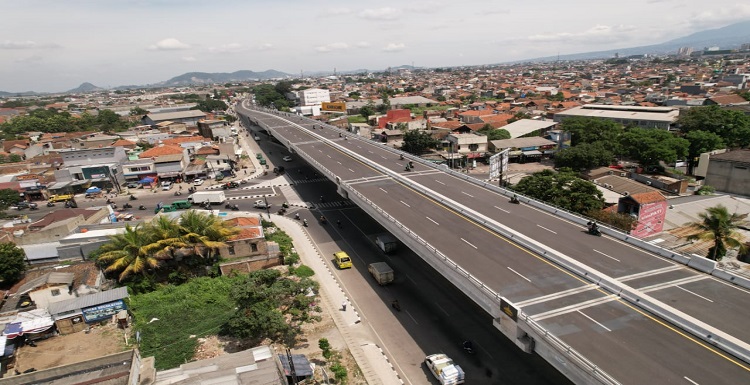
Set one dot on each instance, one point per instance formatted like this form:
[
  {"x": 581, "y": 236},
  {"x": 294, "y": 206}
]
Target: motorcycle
[
  {"x": 285, "y": 205},
  {"x": 323, "y": 220},
  {"x": 396, "y": 305},
  {"x": 50, "y": 204},
  {"x": 514, "y": 199},
  {"x": 114, "y": 205},
  {"x": 296, "y": 216},
  {"x": 304, "y": 222},
  {"x": 127, "y": 206},
  {"x": 593, "y": 229},
  {"x": 468, "y": 346},
  {"x": 177, "y": 193},
  {"x": 141, "y": 207},
  {"x": 132, "y": 197}
]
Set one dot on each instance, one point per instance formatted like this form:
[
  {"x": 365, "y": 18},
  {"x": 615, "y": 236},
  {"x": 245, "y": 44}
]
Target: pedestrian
[{"x": 343, "y": 305}]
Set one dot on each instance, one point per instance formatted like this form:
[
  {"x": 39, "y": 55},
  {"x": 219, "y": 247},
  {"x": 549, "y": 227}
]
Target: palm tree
[
  {"x": 204, "y": 233},
  {"x": 126, "y": 253},
  {"x": 719, "y": 225}
]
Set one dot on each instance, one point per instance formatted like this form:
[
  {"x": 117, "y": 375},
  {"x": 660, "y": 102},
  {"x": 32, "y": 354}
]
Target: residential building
[
  {"x": 729, "y": 172},
  {"x": 214, "y": 129},
  {"x": 471, "y": 146},
  {"x": 522, "y": 149},
  {"x": 529, "y": 127},
  {"x": 190, "y": 117},
  {"x": 169, "y": 161}
]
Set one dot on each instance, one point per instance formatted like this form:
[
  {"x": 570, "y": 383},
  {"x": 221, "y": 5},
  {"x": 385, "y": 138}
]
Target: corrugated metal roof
[{"x": 88, "y": 300}]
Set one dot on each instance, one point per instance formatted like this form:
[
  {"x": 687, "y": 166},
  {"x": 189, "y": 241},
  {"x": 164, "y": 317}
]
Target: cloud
[
  {"x": 394, "y": 47},
  {"x": 596, "y": 34},
  {"x": 265, "y": 47},
  {"x": 31, "y": 60},
  {"x": 363, "y": 44},
  {"x": 7, "y": 44},
  {"x": 424, "y": 7},
  {"x": 189, "y": 59},
  {"x": 719, "y": 16},
  {"x": 332, "y": 47},
  {"x": 386, "y": 13},
  {"x": 169, "y": 44},
  {"x": 228, "y": 48}
]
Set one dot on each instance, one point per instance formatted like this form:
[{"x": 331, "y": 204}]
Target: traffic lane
[
  {"x": 657, "y": 354},
  {"x": 503, "y": 266},
  {"x": 597, "y": 252},
  {"x": 435, "y": 316},
  {"x": 711, "y": 301},
  {"x": 342, "y": 165}
]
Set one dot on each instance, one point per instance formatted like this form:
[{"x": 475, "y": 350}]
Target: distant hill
[
  {"x": 223, "y": 77},
  {"x": 85, "y": 88},
  {"x": 729, "y": 37}
]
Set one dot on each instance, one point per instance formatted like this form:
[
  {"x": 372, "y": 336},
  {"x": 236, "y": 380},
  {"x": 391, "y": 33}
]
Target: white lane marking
[
  {"x": 518, "y": 274},
  {"x": 359, "y": 146},
  {"x": 383, "y": 157},
  {"x": 381, "y": 189},
  {"x": 606, "y": 255},
  {"x": 412, "y": 281},
  {"x": 433, "y": 221},
  {"x": 328, "y": 156},
  {"x": 441, "y": 308},
  {"x": 405, "y": 204},
  {"x": 501, "y": 209},
  {"x": 370, "y": 152},
  {"x": 691, "y": 381},
  {"x": 547, "y": 229},
  {"x": 594, "y": 321},
  {"x": 465, "y": 193},
  {"x": 440, "y": 182},
  {"x": 351, "y": 170},
  {"x": 412, "y": 317},
  {"x": 695, "y": 294},
  {"x": 468, "y": 243},
  {"x": 338, "y": 162}
]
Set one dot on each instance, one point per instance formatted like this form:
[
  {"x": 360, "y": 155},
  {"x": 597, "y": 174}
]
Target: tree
[
  {"x": 700, "y": 142},
  {"x": 367, "y": 110},
  {"x": 590, "y": 130},
  {"x": 650, "y": 146},
  {"x": 498, "y": 134},
  {"x": 417, "y": 142},
  {"x": 126, "y": 253},
  {"x": 562, "y": 189},
  {"x": 8, "y": 197},
  {"x": 584, "y": 156},
  {"x": 732, "y": 126},
  {"x": 721, "y": 227},
  {"x": 13, "y": 158},
  {"x": 12, "y": 263},
  {"x": 138, "y": 111}
]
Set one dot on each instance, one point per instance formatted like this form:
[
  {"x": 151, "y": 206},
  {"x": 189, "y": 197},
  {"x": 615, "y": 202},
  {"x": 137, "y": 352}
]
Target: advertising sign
[
  {"x": 651, "y": 218},
  {"x": 334, "y": 107},
  {"x": 499, "y": 164},
  {"x": 104, "y": 311}
]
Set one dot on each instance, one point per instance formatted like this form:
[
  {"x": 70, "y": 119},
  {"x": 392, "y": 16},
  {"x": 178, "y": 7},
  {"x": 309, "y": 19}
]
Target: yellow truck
[{"x": 60, "y": 198}]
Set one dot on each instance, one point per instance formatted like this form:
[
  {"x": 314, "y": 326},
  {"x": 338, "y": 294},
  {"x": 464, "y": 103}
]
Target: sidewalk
[{"x": 358, "y": 336}]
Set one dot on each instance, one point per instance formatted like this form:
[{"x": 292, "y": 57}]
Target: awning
[
  {"x": 34, "y": 321},
  {"x": 532, "y": 153}
]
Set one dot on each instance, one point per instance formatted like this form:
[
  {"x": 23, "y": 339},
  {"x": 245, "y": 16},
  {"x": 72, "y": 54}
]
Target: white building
[{"x": 313, "y": 96}]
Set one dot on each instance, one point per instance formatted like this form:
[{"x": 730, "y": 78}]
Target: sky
[{"x": 53, "y": 46}]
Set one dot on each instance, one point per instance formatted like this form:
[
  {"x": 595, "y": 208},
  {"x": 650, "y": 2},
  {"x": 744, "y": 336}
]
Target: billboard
[
  {"x": 334, "y": 107},
  {"x": 97, "y": 313},
  {"x": 499, "y": 164}
]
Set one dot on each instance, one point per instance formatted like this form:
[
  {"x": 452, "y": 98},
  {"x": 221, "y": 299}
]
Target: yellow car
[
  {"x": 60, "y": 198},
  {"x": 342, "y": 260}
]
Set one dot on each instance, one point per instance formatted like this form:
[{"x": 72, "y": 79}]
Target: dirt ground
[{"x": 71, "y": 348}]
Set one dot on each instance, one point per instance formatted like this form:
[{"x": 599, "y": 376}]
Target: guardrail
[{"x": 580, "y": 360}]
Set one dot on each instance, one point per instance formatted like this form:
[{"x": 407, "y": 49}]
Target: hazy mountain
[
  {"x": 729, "y": 37},
  {"x": 85, "y": 88},
  {"x": 223, "y": 77}
]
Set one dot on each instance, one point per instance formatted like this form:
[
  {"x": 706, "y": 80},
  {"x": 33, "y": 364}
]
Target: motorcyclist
[
  {"x": 296, "y": 216},
  {"x": 304, "y": 222},
  {"x": 401, "y": 157},
  {"x": 514, "y": 199}
]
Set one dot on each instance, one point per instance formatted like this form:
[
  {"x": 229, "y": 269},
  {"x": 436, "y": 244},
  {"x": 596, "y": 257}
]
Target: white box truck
[
  {"x": 386, "y": 243},
  {"x": 212, "y": 197},
  {"x": 382, "y": 273}
]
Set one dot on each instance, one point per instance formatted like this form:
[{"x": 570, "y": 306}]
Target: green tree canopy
[
  {"x": 210, "y": 105},
  {"x": 719, "y": 225},
  {"x": 649, "y": 146},
  {"x": 8, "y": 197},
  {"x": 12, "y": 263},
  {"x": 732, "y": 126},
  {"x": 584, "y": 156},
  {"x": 700, "y": 142},
  {"x": 367, "y": 110},
  {"x": 266, "y": 95},
  {"x": 562, "y": 189},
  {"x": 417, "y": 142},
  {"x": 590, "y": 130}
]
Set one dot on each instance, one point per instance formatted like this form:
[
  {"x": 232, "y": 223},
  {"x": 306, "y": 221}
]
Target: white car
[
  {"x": 287, "y": 158},
  {"x": 444, "y": 369},
  {"x": 166, "y": 185},
  {"x": 198, "y": 182}
]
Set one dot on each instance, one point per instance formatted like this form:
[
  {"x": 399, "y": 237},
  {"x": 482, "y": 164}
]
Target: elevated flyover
[{"x": 600, "y": 309}]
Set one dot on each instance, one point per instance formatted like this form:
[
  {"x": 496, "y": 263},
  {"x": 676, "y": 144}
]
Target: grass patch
[
  {"x": 303, "y": 271},
  {"x": 356, "y": 119},
  {"x": 185, "y": 313}
]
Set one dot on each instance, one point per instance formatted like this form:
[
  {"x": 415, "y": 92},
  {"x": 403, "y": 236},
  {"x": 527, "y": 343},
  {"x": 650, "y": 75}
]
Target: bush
[
  {"x": 304, "y": 271},
  {"x": 339, "y": 371},
  {"x": 705, "y": 190}
]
